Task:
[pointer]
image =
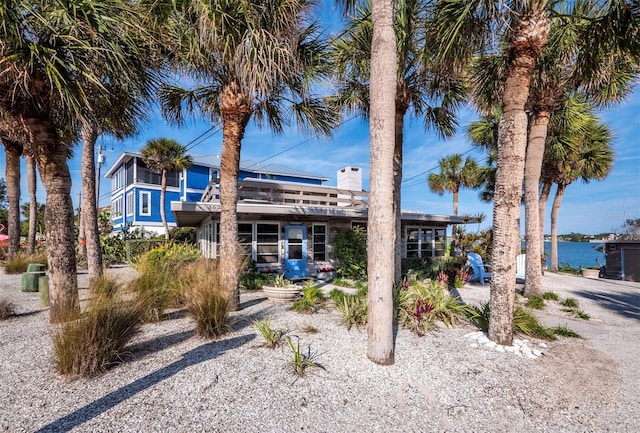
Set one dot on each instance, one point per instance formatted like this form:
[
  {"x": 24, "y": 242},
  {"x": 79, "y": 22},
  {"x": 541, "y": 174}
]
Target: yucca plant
[
  {"x": 300, "y": 361},
  {"x": 526, "y": 323},
  {"x": 89, "y": 345},
  {"x": 7, "y": 309},
  {"x": 565, "y": 331},
  {"x": 535, "y": 303},
  {"x": 272, "y": 337},
  {"x": 353, "y": 310},
  {"x": 201, "y": 285}
]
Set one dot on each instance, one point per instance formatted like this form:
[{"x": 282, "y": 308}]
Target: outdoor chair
[
  {"x": 480, "y": 270},
  {"x": 521, "y": 267}
]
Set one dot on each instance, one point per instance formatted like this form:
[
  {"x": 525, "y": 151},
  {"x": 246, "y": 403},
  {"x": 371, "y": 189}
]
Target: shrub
[
  {"x": 95, "y": 341},
  {"x": 353, "y": 309},
  {"x": 527, "y": 324},
  {"x": 479, "y": 316},
  {"x": 183, "y": 235},
  {"x": 550, "y": 296},
  {"x": 113, "y": 250},
  {"x": 570, "y": 303},
  {"x": 7, "y": 309},
  {"x": 272, "y": 337},
  {"x": 104, "y": 287},
  {"x": 312, "y": 299},
  {"x": 535, "y": 303},
  {"x": 252, "y": 279},
  {"x": 19, "y": 262},
  {"x": 350, "y": 248},
  {"x": 204, "y": 296}
]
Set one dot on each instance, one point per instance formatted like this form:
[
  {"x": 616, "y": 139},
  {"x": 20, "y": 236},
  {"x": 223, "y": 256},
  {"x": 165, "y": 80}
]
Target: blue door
[{"x": 295, "y": 252}]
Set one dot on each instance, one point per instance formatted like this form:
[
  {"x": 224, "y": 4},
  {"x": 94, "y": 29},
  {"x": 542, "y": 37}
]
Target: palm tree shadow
[
  {"x": 205, "y": 352},
  {"x": 624, "y": 304}
]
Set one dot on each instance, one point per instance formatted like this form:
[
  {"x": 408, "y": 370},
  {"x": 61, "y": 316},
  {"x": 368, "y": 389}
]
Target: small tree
[{"x": 350, "y": 248}]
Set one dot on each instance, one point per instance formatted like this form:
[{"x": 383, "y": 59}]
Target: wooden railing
[{"x": 289, "y": 193}]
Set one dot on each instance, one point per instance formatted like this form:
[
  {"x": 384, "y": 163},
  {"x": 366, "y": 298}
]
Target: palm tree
[
  {"x": 462, "y": 28},
  {"x": 13, "y": 152},
  {"x": 420, "y": 90},
  {"x": 590, "y": 157},
  {"x": 453, "y": 175},
  {"x": 50, "y": 52},
  {"x": 257, "y": 60},
  {"x": 163, "y": 155}
]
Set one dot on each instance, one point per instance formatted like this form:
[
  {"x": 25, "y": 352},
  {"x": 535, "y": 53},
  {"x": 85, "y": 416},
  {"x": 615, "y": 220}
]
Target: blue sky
[{"x": 588, "y": 208}]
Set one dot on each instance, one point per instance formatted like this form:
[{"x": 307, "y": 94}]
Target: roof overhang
[{"x": 192, "y": 214}]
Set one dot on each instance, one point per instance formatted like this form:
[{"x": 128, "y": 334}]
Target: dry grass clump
[
  {"x": 7, "y": 309},
  {"x": 204, "y": 296},
  {"x": 89, "y": 345},
  {"x": 19, "y": 262}
]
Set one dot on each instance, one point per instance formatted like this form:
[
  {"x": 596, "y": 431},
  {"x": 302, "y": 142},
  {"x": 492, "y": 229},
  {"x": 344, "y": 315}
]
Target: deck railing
[{"x": 289, "y": 193}]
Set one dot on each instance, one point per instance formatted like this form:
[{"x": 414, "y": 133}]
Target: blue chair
[{"x": 480, "y": 270}]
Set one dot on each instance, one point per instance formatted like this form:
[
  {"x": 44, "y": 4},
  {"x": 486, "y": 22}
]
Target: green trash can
[
  {"x": 43, "y": 288},
  {"x": 30, "y": 278}
]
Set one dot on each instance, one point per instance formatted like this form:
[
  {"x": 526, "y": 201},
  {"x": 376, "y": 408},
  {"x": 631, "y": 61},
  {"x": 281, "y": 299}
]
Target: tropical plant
[
  {"x": 550, "y": 296},
  {"x": 300, "y": 361},
  {"x": 353, "y": 309},
  {"x": 565, "y": 331},
  {"x": 569, "y": 303},
  {"x": 421, "y": 91},
  {"x": 535, "y": 303},
  {"x": 50, "y": 53},
  {"x": 260, "y": 62},
  {"x": 272, "y": 336},
  {"x": 311, "y": 300},
  {"x": 163, "y": 155},
  {"x": 281, "y": 281},
  {"x": 453, "y": 175}
]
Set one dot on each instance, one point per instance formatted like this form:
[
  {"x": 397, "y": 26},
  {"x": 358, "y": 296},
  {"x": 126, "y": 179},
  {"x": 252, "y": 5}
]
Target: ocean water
[{"x": 575, "y": 254}]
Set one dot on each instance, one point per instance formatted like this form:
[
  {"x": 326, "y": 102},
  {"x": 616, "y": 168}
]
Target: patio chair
[
  {"x": 521, "y": 267},
  {"x": 480, "y": 270}
]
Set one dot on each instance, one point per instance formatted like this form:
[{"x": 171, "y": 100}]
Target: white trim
[
  {"x": 130, "y": 207},
  {"x": 140, "y": 208}
]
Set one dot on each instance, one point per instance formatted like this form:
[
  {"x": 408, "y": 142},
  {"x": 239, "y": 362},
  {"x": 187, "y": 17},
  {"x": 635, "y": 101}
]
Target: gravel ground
[{"x": 173, "y": 381}]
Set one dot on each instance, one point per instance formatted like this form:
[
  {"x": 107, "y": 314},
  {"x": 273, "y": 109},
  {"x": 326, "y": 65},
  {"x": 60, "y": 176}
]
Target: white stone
[
  {"x": 526, "y": 350},
  {"x": 491, "y": 344},
  {"x": 474, "y": 344},
  {"x": 536, "y": 352},
  {"x": 542, "y": 344},
  {"x": 500, "y": 348},
  {"x": 483, "y": 339}
]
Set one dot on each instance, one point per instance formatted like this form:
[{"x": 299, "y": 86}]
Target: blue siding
[
  {"x": 242, "y": 175},
  {"x": 155, "y": 205},
  {"x": 197, "y": 177},
  {"x": 194, "y": 196}
]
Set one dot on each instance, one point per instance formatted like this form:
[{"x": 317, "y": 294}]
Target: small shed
[{"x": 623, "y": 259}]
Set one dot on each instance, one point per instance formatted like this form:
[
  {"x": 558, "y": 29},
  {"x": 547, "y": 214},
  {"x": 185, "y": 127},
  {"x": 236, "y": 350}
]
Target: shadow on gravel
[
  {"x": 623, "y": 304},
  {"x": 252, "y": 302},
  {"x": 144, "y": 348},
  {"x": 203, "y": 353}
]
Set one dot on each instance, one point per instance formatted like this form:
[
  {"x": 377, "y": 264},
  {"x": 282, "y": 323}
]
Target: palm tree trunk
[
  {"x": 89, "y": 214},
  {"x": 33, "y": 203},
  {"x": 163, "y": 195},
  {"x": 381, "y": 222},
  {"x": 401, "y": 109},
  {"x": 529, "y": 38},
  {"x": 51, "y": 157},
  {"x": 542, "y": 205},
  {"x": 454, "y": 227},
  {"x": 532, "y": 171},
  {"x": 236, "y": 112},
  {"x": 13, "y": 151},
  {"x": 557, "y": 200}
]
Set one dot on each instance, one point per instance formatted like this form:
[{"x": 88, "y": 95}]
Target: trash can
[
  {"x": 30, "y": 278},
  {"x": 43, "y": 288}
]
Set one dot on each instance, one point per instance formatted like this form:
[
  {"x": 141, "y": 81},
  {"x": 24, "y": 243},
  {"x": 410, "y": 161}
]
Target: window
[
  {"x": 425, "y": 242},
  {"x": 145, "y": 203},
  {"x": 130, "y": 206},
  {"x": 319, "y": 242},
  {"x": 117, "y": 180},
  {"x": 116, "y": 208},
  {"x": 267, "y": 243},
  {"x": 245, "y": 237},
  {"x": 145, "y": 175}
]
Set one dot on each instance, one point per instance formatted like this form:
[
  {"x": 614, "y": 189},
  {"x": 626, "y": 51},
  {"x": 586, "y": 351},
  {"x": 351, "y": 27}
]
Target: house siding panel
[{"x": 197, "y": 177}]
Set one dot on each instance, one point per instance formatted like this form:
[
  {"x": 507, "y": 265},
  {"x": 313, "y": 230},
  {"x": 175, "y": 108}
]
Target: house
[
  {"x": 288, "y": 226},
  {"x": 135, "y": 189},
  {"x": 623, "y": 259}
]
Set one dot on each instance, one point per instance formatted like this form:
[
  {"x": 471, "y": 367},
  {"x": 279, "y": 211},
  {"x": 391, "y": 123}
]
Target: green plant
[
  {"x": 95, "y": 341},
  {"x": 300, "y": 361},
  {"x": 527, "y": 324},
  {"x": 104, "y": 286},
  {"x": 565, "y": 331},
  {"x": 281, "y": 281},
  {"x": 550, "y": 296},
  {"x": 272, "y": 337},
  {"x": 311, "y": 300},
  {"x": 353, "y": 310},
  {"x": 535, "y": 303},
  {"x": 570, "y": 303},
  {"x": 350, "y": 248},
  {"x": 7, "y": 309},
  {"x": 205, "y": 299},
  {"x": 252, "y": 279},
  {"x": 479, "y": 315},
  {"x": 566, "y": 268},
  {"x": 581, "y": 315}
]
